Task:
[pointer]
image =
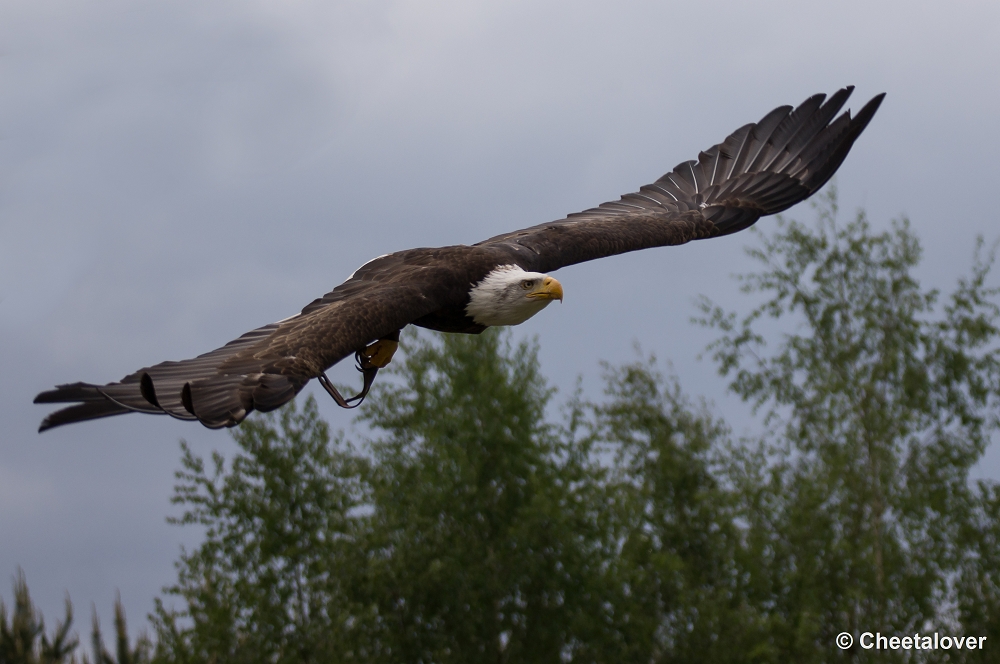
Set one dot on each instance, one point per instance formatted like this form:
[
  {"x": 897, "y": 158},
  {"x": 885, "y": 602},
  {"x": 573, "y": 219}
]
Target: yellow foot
[{"x": 378, "y": 354}]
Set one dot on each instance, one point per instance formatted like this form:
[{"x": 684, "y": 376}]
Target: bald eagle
[{"x": 760, "y": 169}]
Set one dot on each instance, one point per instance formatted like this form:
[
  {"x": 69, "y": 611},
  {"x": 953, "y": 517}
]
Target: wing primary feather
[
  {"x": 786, "y": 131},
  {"x": 186, "y": 399},
  {"x": 812, "y": 126},
  {"x": 761, "y": 134},
  {"x": 70, "y": 392},
  {"x": 715, "y": 167},
  {"x": 91, "y": 410},
  {"x": 133, "y": 407},
  {"x": 743, "y": 142},
  {"x": 669, "y": 180},
  {"x": 148, "y": 390},
  {"x": 839, "y": 153},
  {"x": 659, "y": 188}
]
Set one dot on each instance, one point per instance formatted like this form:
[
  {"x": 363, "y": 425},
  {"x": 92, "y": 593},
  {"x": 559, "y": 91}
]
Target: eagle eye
[{"x": 527, "y": 284}]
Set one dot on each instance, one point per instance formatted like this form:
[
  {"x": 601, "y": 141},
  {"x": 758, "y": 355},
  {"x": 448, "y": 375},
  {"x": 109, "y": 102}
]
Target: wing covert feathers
[{"x": 760, "y": 169}]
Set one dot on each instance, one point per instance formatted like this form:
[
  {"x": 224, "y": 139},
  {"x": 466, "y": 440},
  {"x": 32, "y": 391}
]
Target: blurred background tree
[
  {"x": 860, "y": 512},
  {"x": 474, "y": 531},
  {"x": 481, "y": 540},
  {"x": 272, "y": 579},
  {"x": 125, "y": 652},
  {"x": 471, "y": 526},
  {"x": 22, "y": 632},
  {"x": 23, "y": 639}
]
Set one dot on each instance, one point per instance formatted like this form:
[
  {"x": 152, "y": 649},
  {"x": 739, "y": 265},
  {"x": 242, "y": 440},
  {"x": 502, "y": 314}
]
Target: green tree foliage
[
  {"x": 680, "y": 592},
  {"x": 476, "y": 533},
  {"x": 472, "y": 528},
  {"x": 860, "y": 511},
  {"x": 271, "y": 580},
  {"x": 978, "y": 584},
  {"x": 140, "y": 653},
  {"x": 23, "y": 639},
  {"x": 22, "y": 633}
]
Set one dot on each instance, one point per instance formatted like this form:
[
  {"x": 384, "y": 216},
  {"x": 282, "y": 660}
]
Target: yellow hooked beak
[{"x": 550, "y": 289}]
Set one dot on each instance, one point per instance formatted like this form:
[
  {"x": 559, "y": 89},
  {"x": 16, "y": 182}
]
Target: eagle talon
[
  {"x": 377, "y": 355},
  {"x": 358, "y": 398},
  {"x": 368, "y": 361}
]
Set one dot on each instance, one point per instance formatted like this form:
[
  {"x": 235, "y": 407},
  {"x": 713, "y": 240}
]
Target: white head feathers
[{"x": 509, "y": 296}]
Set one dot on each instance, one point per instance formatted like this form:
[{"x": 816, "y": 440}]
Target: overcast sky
[{"x": 173, "y": 174}]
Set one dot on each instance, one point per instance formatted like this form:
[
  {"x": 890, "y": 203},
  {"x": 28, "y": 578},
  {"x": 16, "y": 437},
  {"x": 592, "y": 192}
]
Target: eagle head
[{"x": 509, "y": 296}]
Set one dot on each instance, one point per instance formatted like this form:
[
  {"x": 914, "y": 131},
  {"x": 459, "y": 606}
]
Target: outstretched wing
[
  {"x": 267, "y": 367},
  {"x": 760, "y": 169}
]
